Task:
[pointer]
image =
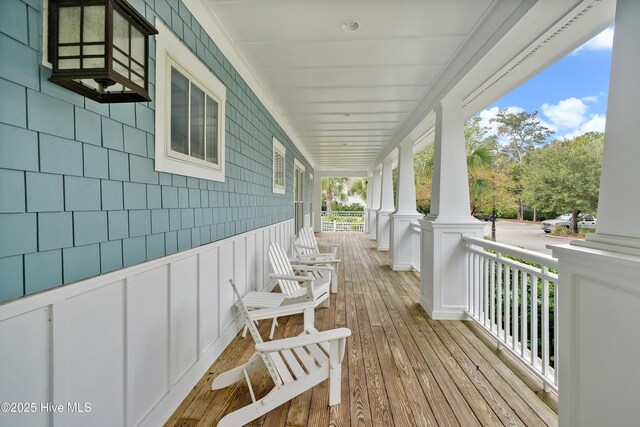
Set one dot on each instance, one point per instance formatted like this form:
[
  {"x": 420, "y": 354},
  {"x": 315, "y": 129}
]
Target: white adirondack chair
[
  {"x": 294, "y": 364},
  {"x": 294, "y": 296},
  {"x": 306, "y": 251},
  {"x": 316, "y": 278}
]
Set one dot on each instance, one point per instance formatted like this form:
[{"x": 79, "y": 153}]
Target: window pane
[
  {"x": 212, "y": 131},
  {"x": 197, "y": 122},
  {"x": 278, "y": 169},
  {"x": 179, "y": 112}
]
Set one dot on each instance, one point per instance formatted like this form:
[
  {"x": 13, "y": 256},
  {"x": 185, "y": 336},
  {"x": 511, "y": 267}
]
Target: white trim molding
[{"x": 170, "y": 51}]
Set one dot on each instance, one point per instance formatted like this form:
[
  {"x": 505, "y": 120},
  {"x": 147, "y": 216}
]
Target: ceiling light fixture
[{"x": 350, "y": 25}]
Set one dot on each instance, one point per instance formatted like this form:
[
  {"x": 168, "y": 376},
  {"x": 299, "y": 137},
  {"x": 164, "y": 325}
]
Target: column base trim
[
  {"x": 451, "y": 314},
  {"x": 400, "y": 266}
]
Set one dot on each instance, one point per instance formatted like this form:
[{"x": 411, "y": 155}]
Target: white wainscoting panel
[
  {"x": 89, "y": 345},
  {"x": 208, "y": 301},
  {"x": 184, "y": 318},
  {"x": 131, "y": 343},
  {"x": 25, "y": 365},
  {"x": 148, "y": 340}
]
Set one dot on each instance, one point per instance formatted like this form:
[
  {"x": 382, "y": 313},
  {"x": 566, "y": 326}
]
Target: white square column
[
  {"x": 367, "y": 207},
  {"x": 444, "y": 283},
  {"x": 599, "y": 278},
  {"x": 376, "y": 188},
  {"x": 401, "y": 236},
  {"x": 386, "y": 206}
]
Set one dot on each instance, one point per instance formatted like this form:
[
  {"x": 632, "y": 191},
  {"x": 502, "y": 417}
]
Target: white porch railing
[
  {"x": 352, "y": 221},
  {"x": 512, "y": 296},
  {"x": 415, "y": 245}
]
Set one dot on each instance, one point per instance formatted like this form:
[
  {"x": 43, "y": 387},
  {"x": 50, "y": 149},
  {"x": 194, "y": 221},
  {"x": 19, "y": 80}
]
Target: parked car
[
  {"x": 584, "y": 221},
  {"x": 483, "y": 216}
]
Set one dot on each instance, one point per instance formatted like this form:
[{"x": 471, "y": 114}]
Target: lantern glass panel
[
  {"x": 197, "y": 122},
  {"x": 212, "y": 131},
  {"x": 68, "y": 64},
  {"x": 69, "y": 51},
  {"x": 69, "y": 25},
  {"x": 179, "y": 112},
  {"x": 93, "y": 24},
  {"x": 137, "y": 46},
  {"x": 120, "y": 33}
]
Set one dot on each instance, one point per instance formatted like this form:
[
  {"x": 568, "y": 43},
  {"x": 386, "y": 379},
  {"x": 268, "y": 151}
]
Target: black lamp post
[{"x": 100, "y": 49}]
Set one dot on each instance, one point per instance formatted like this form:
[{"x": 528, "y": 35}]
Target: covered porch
[{"x": 401, "y": 368}]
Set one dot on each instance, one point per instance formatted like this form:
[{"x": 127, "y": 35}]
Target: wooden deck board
[{"x": 401, "y": 368}]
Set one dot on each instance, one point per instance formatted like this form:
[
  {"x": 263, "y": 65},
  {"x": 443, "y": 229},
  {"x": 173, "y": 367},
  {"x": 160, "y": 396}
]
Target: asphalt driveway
[{"x": 525, "y": 235}]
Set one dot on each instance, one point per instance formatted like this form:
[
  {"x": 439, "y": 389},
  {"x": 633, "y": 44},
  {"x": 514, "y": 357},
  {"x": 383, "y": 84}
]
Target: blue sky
[{"x": 571, "y": 95}]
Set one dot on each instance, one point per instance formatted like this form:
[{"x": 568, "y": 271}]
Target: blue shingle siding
[
  {"x": 80, "y": 262},
  {"x": 55, "y": 230},
  {"x": 12, "y": 191},
  {"x": 12, "y": 283},
  {"x": 79, "y": 194},
  {"x": 13, "y": 103},
  {"x": 42, "y": 270}
]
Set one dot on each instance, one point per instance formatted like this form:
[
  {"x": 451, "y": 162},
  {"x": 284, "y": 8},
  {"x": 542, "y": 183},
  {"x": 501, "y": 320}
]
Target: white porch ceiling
[{"x": 351, "y": 97}]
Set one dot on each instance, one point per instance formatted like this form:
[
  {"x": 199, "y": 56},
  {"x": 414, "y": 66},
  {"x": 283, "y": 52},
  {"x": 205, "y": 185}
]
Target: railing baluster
[
  {"x": 503, "y": 297},
  {"x": 523, "y": 315},
  {"x": 534, "y": 320},
  {"x": 498, "y": 296},
  {"x": 545, "y": 324},
  {"x": 507, "y": 300},
  {"x": 514, "y": 308}
]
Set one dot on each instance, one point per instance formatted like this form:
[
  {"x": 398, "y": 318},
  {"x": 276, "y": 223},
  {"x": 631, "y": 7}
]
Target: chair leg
[
  {"x": 334, "y": 280},
  {"x": 274, "y": 323},
  {"x": 327, "y": 302},
  {"x": 335, "y": 374},
  {"x": 244, "y": 330}
]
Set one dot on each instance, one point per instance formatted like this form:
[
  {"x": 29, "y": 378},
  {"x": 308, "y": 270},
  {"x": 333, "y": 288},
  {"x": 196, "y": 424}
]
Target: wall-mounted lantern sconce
[{"x": 100, "y": 49}]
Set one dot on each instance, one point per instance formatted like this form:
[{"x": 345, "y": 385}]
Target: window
[
  {"x": 190, "y": 112},
  {"x": 279, "y": 158}
]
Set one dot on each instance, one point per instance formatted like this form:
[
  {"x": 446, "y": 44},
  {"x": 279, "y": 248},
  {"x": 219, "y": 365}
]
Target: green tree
[
  {"x": 334, "y": 190},
  {"x": 480, "y": 152},
  {"x": 524, "y": 132},
  {"x": 565, "y": 175},
  {"x": 359, "y": 188}
]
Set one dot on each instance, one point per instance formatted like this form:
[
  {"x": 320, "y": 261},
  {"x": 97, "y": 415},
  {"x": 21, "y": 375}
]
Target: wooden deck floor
[{"x": 401, "y": 368}]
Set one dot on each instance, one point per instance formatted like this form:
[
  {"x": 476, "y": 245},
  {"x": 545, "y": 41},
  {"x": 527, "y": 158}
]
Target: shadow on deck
[{"x": 401, "y": 368}]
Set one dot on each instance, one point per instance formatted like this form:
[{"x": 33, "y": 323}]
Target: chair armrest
[
  {"x": 311, "y": 268},
  {"x": 332, "y": 245},
  {"x": 292, "y": 277},
  {"x": 317, "y": 261},
  {"x": 283, "y": 310},
  {"x": 306, "y": 247},
  {"x": 303, "y": 340},
  {"x": 317, "y": 255}
]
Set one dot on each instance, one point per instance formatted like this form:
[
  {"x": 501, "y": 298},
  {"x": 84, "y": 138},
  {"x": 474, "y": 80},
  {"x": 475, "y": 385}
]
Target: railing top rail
[
  {"x": 415, "y": 225},
  {"x": 343, "y": 213},
  {"x": 537, "y": 257}
]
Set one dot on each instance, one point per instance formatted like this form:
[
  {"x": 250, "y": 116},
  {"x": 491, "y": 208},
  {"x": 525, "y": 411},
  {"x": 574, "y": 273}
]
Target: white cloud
[
  {"x": 595, "y": 124},
  {"x": 566, "y": 114},
  {"x": 603, "y": 41},
  {"x": 568, "y": 118}
]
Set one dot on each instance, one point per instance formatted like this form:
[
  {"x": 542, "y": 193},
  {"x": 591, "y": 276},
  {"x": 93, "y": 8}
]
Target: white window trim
[
  {"x": 280, "y": 148},
  {"x": 171, "y": 50},
  {"x": 297, "y": 164}
]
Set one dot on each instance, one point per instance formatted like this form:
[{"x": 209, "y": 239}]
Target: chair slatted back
[
  {"x": 307, "y": 238},
  {"x": 281, "y": 265},
  {"x": 255, "y": 334}
]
